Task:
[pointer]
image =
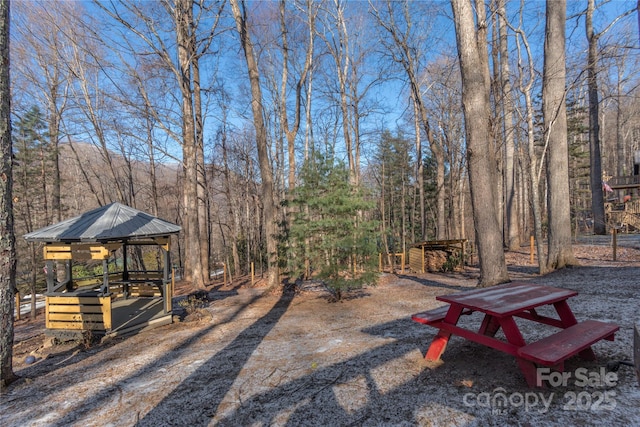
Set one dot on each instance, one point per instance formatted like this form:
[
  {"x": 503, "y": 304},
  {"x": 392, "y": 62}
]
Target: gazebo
[{"x": 119, "y": 300}]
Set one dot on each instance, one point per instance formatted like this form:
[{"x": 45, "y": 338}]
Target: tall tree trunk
[
  {"x": 420, "y": 174},
  {"x": 203, "y": 199},
  {"x": 153, "y": 180},
  {"x": 497, "y": 115},
  {"x": 233, "y": 209},
  {"x": 292, "y": 131},
  {"x": 193, "y": 268},
  {"x": 597, "y": 197},
  {"x": 560, "y": 251},
  {"x": 532, "y": 171},
  {"x": 54, "y": 142},
  {"x": 512, "y": 232},
  {"x": 266, "y": 173},
  {"x": 441, "y": 219},
  {"x": 7, "y": 237},
  {"x": 342, "y": 59},
  {"x": 152, "y": 167},
  {"x": 622, "y": 165},
  {"x": 480, "y": 155}
]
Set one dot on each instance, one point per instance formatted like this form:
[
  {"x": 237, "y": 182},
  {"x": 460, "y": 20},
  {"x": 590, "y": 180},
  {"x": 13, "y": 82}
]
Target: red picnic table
[{"x": 501, "y": 305}]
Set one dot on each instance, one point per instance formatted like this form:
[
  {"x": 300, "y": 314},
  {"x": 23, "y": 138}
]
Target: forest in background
[{"x": 346, "y": 139}]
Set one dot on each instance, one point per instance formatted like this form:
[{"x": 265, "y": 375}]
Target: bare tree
[
  {"x": 617, "y": 57},
  {"x": 405, "y": 50},
  {"x": 142, "y": 23},
  {"x": 353, "y": 73},
  {"x": 291, "y": 130},
  {"x": 593, "y": 57},
  {"x": 198, "y": 49},
  {"x": 266, "y": 173},
  {"x": 533, "y": 168},
  {"x": 443, "y": 108},
  {"x": 339, "y": 48},
  {"x": 183, "y": 15},
  {"x": 560, "y": 251},
  {"x": 597, "y": 197},
  {"x": 512, "y": 232},
  {"x": 39, "y": 46},
  {"x": 93, "y": 109},
  {"x": 472, "y": 52},
  {"x": 7, "y": 238}
]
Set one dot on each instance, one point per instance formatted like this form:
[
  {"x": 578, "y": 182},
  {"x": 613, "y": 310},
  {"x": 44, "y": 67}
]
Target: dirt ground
[{"x": 257, "y": 358}]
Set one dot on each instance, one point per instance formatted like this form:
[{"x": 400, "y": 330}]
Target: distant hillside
[{"x": 91, "y": 177}]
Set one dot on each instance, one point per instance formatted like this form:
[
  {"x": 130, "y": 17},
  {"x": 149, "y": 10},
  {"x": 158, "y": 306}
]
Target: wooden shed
[
  {"x": 432, "y": 255},
  {"x": 119, "y": 300}
]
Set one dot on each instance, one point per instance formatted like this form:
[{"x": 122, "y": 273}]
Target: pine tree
[
  {"x": 30, "y": 176},
  {"x": 330, "y": 231},
  {"x": 394, "y": 171},
  {"x": 29, "y": 173}
]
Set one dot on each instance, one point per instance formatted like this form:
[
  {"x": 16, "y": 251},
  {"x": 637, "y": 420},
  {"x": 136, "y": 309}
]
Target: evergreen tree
[
  {"x": 394, "y": 173},
  {"x": 31, "y": 169},
  {"x": 430, "y": 195},
  {"x": 330, "y": 231},
  {"x": 29, "y": 173}
]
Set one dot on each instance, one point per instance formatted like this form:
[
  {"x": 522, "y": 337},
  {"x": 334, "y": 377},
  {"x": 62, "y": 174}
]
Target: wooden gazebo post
[{"x": 165, "y": 245}]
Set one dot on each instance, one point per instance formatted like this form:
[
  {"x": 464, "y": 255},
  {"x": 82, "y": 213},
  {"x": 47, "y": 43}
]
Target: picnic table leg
[
  {"x": 439, "y": 343},
  {"x": 564, "y": 312},
  {"x": 489, "y": 326},
  {"x": 568, "y": 319},
  {"x": 529, "y": 371},
  {"x": 511, "y": 331},
  {"x": 513, "y": 335}
]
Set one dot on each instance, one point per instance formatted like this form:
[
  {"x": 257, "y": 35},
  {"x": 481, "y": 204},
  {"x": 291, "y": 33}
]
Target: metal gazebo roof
[{"x": 112, "y": 222}]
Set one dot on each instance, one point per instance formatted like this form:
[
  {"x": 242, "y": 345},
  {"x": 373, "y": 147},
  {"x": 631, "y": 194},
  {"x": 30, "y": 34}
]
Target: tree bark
[
  {"x": 54, "y": 141},
  {"x": 266, "y": 173},
  {"x": 292, "y": 131},
  {"x": 204, "y": 212},
  {"x": 7, "y": 237},
  {"x": 233, "y": 209},
  {"x": 597, "y": 197},
  {"x": 559, "y": 251},
  {"x": 512, "y": 232},
  {"x": 420, "y": 174},
  {"x": 532, "y": 173},
  {"x": 480, "y": 156},
  {"x": 193, "y": 259}
]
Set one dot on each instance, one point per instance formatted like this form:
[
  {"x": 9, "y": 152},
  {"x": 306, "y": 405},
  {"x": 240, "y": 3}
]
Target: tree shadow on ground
[
  {"x": 370, "y": 388},
  {"x": 62, "y": 355},
  {"x": 72, "y": 354},
  {"x": 84, "y": 408},
  {"x": 67, "y": 353},
  {"x": 207, "y": 385}
]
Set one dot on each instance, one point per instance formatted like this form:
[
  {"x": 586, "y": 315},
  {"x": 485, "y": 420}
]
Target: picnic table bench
[{"x": 499, "y": 306}]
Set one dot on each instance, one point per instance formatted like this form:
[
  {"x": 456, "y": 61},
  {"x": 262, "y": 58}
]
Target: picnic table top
[{"x": 508, "y": 299}]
